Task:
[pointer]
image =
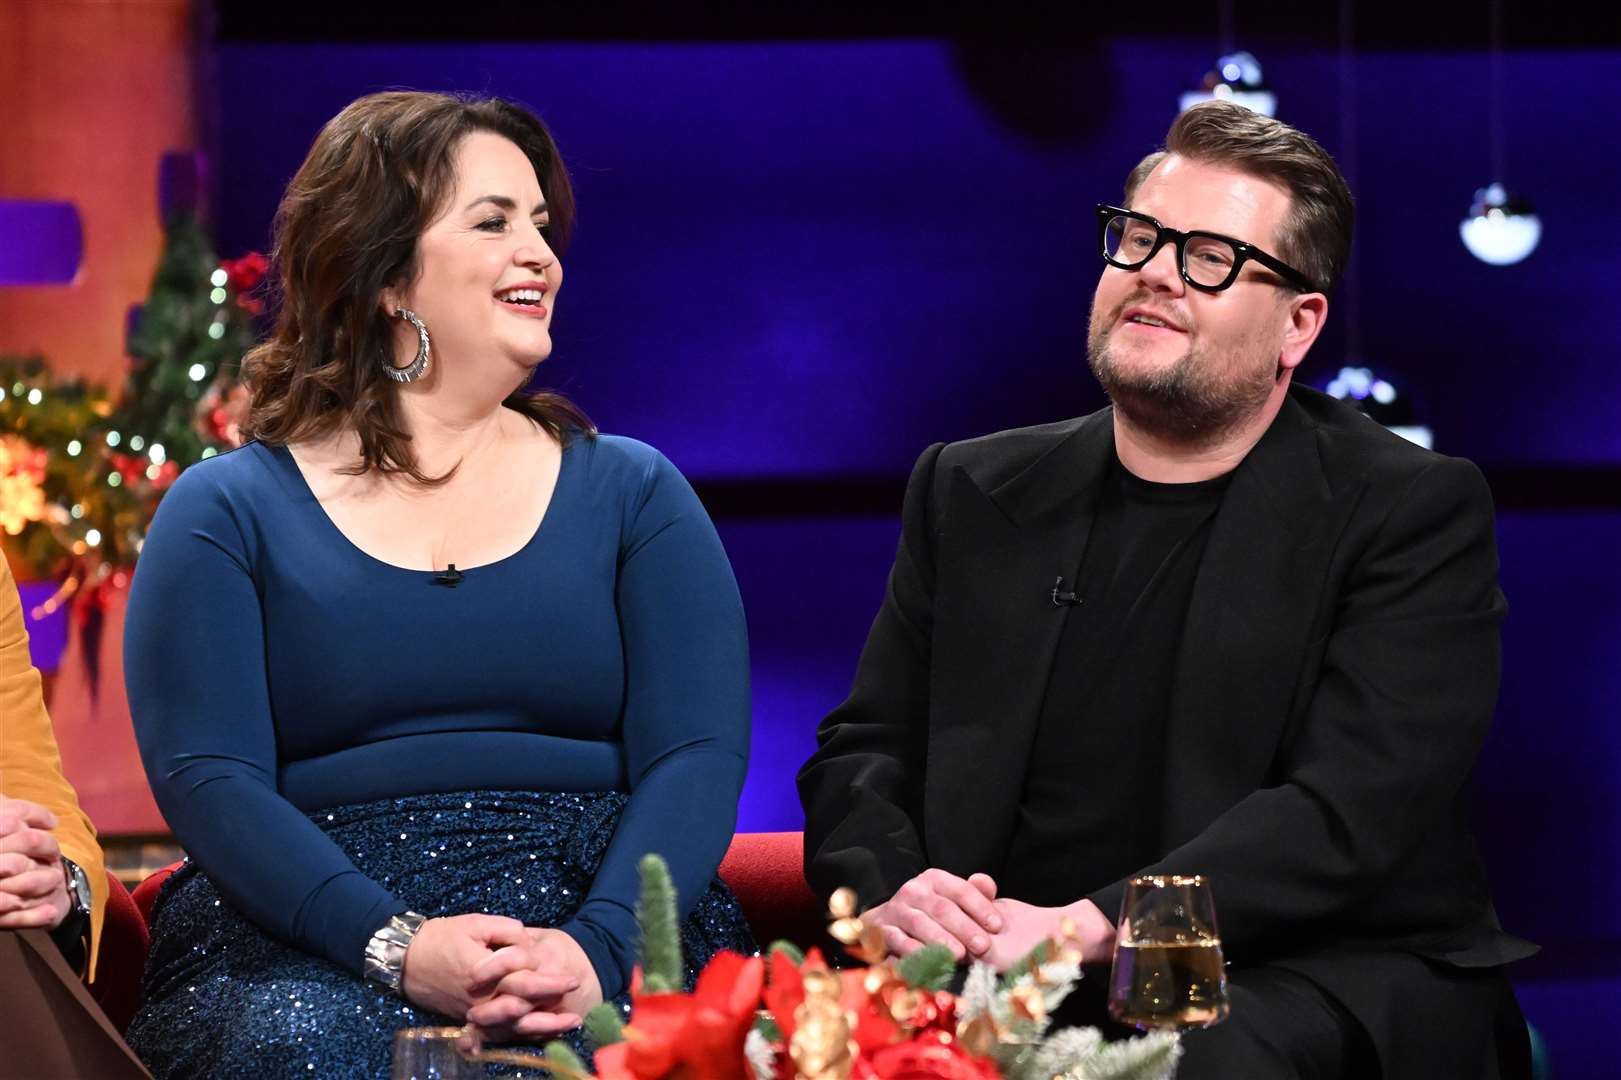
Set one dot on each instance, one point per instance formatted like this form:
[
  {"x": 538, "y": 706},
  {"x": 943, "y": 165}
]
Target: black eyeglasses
[{"x": 1207, "y": 260}]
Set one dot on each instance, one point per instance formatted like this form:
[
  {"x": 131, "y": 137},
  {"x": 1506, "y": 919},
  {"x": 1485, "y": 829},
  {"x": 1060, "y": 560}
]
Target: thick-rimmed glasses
[{"x": 1207, "y": 260}]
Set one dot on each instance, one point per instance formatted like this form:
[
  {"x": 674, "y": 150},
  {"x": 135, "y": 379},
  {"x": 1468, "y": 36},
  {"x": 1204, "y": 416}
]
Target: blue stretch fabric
[
  {"x": 226, "y": 1000},
  {"x": 274, "y": 668}
]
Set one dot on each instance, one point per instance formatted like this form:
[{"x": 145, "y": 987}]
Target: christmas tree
[{"x": 82, "y": 474}]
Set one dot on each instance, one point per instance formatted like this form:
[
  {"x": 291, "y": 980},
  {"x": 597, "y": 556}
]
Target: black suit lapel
[
  {"x": 996, "y": 630},
  {"x": 1250, "y": 620}
]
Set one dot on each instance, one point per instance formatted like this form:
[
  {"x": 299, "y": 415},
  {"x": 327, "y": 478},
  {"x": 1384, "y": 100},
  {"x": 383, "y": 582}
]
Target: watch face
[{"x": 78, "y": 885}]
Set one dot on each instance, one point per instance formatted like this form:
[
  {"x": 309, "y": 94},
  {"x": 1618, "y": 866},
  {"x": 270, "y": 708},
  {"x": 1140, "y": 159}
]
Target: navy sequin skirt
[{"x": 223, "y": 999}]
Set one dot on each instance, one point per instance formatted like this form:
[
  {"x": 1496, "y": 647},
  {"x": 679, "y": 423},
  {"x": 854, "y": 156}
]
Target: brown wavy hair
[
  {"x": 1316, "y": 235},
  {"x": 378, "y": 174}
]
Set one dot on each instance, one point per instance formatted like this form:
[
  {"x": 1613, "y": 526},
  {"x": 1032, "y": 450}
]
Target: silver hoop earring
[{"x": 418, "y": 367}]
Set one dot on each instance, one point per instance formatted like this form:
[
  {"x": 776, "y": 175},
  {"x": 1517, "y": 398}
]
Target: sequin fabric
[{"x": 225, "y": 1000}]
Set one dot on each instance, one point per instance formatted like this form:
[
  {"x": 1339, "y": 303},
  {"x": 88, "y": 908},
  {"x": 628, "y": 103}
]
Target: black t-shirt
[{"x": 1089, "y": 811}]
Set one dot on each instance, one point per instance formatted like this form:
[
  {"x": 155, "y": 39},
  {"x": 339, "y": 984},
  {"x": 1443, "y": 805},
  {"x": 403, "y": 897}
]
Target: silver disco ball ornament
[
  {"x": 1236, "y": 78},
  {"x": 1501, "y": 228}
]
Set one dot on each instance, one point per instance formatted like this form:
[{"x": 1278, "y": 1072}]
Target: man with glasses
[{"x": 1228, "y": 626}]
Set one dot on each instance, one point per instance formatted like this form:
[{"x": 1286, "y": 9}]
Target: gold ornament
[
  {"x": 979, "y": 1036},
  {"x": 1028, "y": 1002},
  {"x": 862, "y": 941},
  {"x": 822, "y": 1048}
]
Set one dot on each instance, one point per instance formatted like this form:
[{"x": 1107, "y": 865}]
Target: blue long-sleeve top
[{"x": 274, "y": 668}]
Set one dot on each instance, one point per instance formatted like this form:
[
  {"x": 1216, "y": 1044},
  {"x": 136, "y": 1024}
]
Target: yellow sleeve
[{"x": 31, "y": 765}]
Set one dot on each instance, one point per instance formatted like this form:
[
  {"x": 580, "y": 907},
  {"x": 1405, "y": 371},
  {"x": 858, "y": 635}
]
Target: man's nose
[{"x": 1161, "y": 272}]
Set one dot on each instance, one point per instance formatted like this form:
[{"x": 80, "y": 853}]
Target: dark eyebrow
[{"x": 501, "y": 202}]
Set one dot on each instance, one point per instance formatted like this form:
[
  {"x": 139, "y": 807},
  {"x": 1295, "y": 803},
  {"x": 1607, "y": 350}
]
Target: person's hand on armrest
[
  {"x": 939, "y": 908},
  {"x": 33, "y": 886},
  {"x": 536, "y": 988}
]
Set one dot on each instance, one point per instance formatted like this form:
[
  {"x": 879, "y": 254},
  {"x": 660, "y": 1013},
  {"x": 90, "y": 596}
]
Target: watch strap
[{"x": 385, "y": 952}]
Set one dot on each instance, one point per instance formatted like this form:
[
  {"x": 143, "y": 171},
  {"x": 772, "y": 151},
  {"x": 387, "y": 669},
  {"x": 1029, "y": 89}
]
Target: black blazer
[{"x": 1336, "y": 679}]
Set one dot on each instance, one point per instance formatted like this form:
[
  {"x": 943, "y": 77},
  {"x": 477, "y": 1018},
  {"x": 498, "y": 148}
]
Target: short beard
[{"x": 1194, "y": 402}]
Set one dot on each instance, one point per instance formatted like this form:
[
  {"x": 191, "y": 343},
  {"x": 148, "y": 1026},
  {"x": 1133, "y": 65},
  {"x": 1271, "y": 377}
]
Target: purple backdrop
[{"x": 810, "y": 260}]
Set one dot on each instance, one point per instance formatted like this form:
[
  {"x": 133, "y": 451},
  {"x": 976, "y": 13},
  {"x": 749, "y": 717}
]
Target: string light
[
  {"x": 218, "y": 278},
  {"x": 114, "y": 438},
  {"x": 136, "y": 443}
]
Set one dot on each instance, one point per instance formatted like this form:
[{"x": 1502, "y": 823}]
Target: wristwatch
[
  {"x": 385, "y": 952},
  {"x": 72, "y": 933}
]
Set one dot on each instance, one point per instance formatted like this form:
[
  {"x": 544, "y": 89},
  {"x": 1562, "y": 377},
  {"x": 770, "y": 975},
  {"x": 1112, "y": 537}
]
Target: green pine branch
[
  {"x": 929, "y": 968},
  {"x": 603, "y": 1024},
  {"x": 662, "y": 964}
]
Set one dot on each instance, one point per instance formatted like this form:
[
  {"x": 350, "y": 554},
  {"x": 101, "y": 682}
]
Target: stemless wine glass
[
  {"x": 435, "y": 1053},
  {"x": 457, "y": 1053},
  {"x": 1168, "y": 970}
]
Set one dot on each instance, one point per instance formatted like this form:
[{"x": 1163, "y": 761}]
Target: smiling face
[
  {"x": 1180, "y": 362},
  {"x": 487, "y": 277}
]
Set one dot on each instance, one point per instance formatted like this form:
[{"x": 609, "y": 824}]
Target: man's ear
[{"x": 1307, "y": 314}]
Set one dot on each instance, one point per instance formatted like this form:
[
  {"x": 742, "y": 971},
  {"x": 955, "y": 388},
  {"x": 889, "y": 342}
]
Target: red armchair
[{"x": 122, "y": 956}]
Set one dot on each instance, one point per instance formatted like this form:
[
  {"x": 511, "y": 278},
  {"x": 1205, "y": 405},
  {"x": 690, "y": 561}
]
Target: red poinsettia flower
[
  {"x": 244, "y": 275},
  {"x": 786, "y": 991},
  {"x": 130, "y": 467},
  {"x": 931, "y": 1056},
  {"x": 874, "y": 1026},
  {"x": 168, "y": 472},
  {"x": 246, "y": 272},
  {"x": 697, "y": 1036}
]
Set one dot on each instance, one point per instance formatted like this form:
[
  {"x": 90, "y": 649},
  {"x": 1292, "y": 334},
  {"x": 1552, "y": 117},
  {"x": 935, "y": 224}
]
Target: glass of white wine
[{"x": 1168, "y": 971}]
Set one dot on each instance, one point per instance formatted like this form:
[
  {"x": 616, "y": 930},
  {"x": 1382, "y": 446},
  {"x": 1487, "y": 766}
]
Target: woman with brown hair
[{"x": 420, "y": 674}]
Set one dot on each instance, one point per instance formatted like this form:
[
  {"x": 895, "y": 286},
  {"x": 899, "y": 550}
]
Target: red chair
[
  {"x": 122, "y": 956},
  {"x": 766, "y": 871},
  {"x": 146, "y": 893}
]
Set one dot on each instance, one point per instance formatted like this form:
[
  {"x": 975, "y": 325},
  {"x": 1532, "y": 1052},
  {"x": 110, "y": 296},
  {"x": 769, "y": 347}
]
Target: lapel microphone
[
  {"x": 452, "y": 577},
  {"x": 1060, "y": 598}
]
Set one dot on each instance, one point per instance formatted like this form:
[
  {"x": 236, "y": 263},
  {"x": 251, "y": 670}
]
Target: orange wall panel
[{"x": 92, "y": 93}]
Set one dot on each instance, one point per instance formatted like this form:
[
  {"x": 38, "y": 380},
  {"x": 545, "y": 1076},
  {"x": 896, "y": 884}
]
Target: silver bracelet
[{"x": 385, "y": 952}]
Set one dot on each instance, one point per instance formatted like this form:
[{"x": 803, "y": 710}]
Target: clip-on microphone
[{"x": 1060, "y": 598}]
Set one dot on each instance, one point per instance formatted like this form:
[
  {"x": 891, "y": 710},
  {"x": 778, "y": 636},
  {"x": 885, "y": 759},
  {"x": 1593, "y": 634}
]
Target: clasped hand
[
  {"x": 511, "y": 981},
  {"x": 33, "y": 888},
  {"x": 967, "y": 917}
]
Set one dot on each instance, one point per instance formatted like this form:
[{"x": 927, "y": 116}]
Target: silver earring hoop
[{"x": 418, "y": 367}]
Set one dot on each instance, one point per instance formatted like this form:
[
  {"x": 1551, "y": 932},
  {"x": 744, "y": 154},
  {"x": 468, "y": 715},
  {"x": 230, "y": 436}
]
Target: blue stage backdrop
[{"x": 807, "y": 261}]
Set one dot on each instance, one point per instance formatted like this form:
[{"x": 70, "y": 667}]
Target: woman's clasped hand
[{"x": 511, "y": 981}]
